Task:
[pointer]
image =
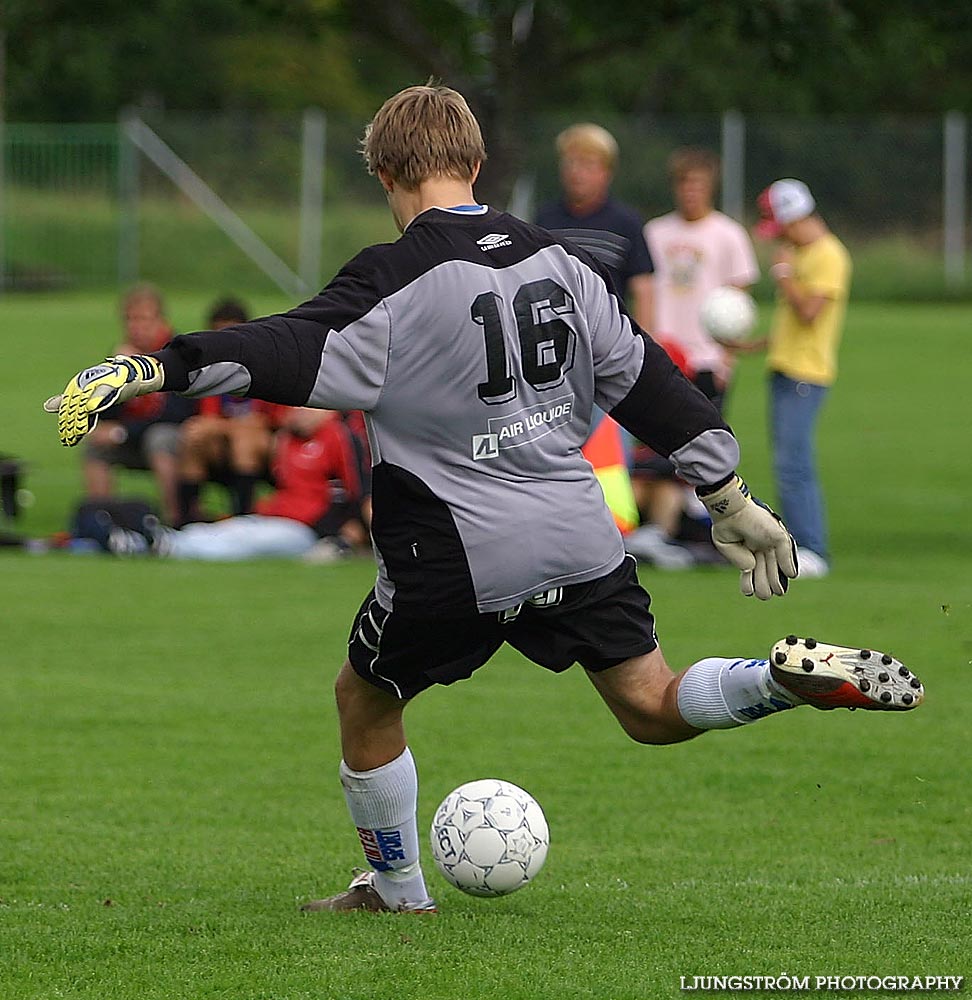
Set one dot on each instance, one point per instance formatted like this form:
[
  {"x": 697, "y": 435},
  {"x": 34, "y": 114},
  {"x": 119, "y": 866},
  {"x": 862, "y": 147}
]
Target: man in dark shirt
[{"x": 587, "y": 215}]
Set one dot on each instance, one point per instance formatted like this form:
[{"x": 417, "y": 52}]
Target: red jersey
[{"x": 303, "y": 469}]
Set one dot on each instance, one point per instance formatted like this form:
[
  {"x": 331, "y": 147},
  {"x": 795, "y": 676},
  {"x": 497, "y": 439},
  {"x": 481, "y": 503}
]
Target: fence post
[
  {"x": 311, "y": 199},
  {"x": 206, "y": 199},
  {"x": 954, "y": 163},
  {"x": 734, "y": 164},
  {"x": 3, "y": 159},
  {"x": 128, "y": 192}
]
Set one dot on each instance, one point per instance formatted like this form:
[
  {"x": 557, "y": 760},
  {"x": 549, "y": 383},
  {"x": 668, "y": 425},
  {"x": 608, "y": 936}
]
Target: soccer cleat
[
  {"x": 844, "y": 677},
  {"x": 126, "y": 542},
  {"x": 327, "y": 551},
  {"x": 361, "y": 894},
  {"x": 651, "y": 545},
  {"x": 811, "y": 565},
  {"x": 153, "y": 538}
]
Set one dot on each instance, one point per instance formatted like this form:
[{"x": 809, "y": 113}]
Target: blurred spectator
[
  {"x": 610, "y": 231},
  {"x": 229, "y": 441},
  {"x": 587, "y": 215},
  {"x": 812, "y": 271},
  {"x": 605, "y": 450},
  {"x": 357, "y": 532},
  {"x": 695, "y": 249},
  {"x": 144, "y": 432},
  {"x": 315, "y": 510},
  {"x": 659, "y": 497}
]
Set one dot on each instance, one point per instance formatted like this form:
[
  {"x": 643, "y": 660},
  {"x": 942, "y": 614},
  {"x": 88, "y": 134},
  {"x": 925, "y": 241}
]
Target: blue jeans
[{"x": 794, "y": 407}]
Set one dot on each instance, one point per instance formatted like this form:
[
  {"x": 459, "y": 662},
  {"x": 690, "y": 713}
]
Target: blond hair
[
  {"x": 589, "y": 139},
  {"x": 421, "y": 133}
]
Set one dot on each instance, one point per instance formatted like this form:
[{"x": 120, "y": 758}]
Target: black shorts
[{"x": 598, "y": 624}]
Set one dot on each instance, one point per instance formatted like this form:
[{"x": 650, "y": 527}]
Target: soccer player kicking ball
[{"x": 477, "y": 346}]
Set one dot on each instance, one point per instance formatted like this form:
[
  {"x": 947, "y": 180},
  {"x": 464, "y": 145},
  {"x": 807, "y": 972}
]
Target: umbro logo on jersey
[{"x": 494, "y": 241}]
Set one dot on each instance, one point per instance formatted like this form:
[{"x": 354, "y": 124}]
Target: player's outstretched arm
[
  {"x": 100, "y": 387},
  {"x": 752, "y": 537}
]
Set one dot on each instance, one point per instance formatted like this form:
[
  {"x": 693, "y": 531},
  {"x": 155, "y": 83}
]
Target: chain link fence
[{"x": 88, "y": 206}]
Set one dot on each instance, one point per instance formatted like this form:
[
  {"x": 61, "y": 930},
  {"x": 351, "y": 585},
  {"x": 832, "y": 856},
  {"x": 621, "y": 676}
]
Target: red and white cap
[{"x": 783, "y": 202}]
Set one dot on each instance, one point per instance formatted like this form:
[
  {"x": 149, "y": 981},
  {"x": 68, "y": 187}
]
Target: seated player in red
[
  {"x": 314, "y": 507},
  {"x": 230, "y": 440},
  {"x": 356, "y": 532}
]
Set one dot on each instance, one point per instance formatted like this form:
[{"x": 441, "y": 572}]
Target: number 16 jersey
[{"x": 477, "y": 346}]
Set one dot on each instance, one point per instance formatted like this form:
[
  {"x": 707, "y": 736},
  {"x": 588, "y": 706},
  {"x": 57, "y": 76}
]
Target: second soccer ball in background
[{"x": 728, "y": 313}]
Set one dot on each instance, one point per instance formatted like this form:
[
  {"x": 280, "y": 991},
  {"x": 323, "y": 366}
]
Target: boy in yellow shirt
[{"x": 812, "y": 270}]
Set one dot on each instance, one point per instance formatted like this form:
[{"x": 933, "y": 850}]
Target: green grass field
[{"x": 168, "y": 788}]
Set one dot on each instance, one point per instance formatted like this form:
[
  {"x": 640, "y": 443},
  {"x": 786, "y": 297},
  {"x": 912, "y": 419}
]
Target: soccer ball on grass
[
  {"x": 489, "y": 837},
  {"x": 728, "y": 313}
]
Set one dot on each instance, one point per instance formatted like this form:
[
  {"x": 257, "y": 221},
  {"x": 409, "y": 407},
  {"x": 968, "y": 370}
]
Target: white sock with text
[
  {"x": 722, "y": 693},
  {"x": 382, "y": 803}
]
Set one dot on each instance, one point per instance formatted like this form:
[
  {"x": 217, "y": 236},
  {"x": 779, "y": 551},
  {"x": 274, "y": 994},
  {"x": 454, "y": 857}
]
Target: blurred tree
[
  {"x": 509, "y": 57},
  {"x": 74, "y": 60},
  {"x": 513, "y": 58},
  {"x": 85, "y": 59}
]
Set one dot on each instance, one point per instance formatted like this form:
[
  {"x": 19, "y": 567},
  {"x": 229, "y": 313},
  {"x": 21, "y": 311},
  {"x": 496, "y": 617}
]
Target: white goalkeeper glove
[
  {"x": 753, "y": 538},
  {"x": 96, "y": 389}
]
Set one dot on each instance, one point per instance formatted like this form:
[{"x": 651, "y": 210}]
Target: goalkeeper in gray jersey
[{"x": 477, "y": 347}]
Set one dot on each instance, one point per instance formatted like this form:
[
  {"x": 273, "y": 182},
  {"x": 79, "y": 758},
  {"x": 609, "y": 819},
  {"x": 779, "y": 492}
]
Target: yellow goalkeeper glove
[
  {"x": 753, "y": 538},
  {"x": 96, "y": 389}
]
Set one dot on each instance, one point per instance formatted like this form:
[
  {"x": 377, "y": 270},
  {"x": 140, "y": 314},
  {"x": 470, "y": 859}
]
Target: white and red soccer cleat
[{"x": 843, "y": 676}]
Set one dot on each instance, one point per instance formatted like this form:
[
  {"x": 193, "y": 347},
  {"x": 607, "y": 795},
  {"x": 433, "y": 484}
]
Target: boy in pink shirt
[{"x": 697, "y": 248}]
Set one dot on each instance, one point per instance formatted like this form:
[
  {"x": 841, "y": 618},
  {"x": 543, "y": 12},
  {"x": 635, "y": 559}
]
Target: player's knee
[{"x": 344, "y": 687}]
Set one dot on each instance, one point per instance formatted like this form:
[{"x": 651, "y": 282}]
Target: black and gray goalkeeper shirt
[{"x": 477, "y": 346}]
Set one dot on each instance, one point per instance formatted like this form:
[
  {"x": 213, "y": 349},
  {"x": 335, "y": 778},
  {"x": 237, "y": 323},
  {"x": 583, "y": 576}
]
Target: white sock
[
  {"x": 382, "y": 804},
  {"x": 722, "y": 693}
]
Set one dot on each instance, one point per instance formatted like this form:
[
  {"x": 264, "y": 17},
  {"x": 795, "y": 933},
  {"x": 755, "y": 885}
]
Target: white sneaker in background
[
  {"x": 651, "y": 545},
  {"x": 326, "y": 551},
  {"x": 694, "y": 507},
  {"x": 812, "y": 565}
]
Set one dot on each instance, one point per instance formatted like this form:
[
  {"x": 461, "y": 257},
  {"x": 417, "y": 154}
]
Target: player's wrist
[
  {"x": 144, "y": 375},
  {"x": 704, "y": 491},
  {"x": 729, "y": 499}
]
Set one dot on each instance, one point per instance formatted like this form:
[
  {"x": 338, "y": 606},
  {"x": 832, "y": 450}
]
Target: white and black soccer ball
[
  {"x": 728, "y": 313},
  {"x": 489, "y": 837}
]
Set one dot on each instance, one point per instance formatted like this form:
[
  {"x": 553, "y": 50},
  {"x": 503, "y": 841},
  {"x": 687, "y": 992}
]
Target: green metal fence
[
  {"x": 98, "y": 205},
  {"x": 60, "y": 206}
]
